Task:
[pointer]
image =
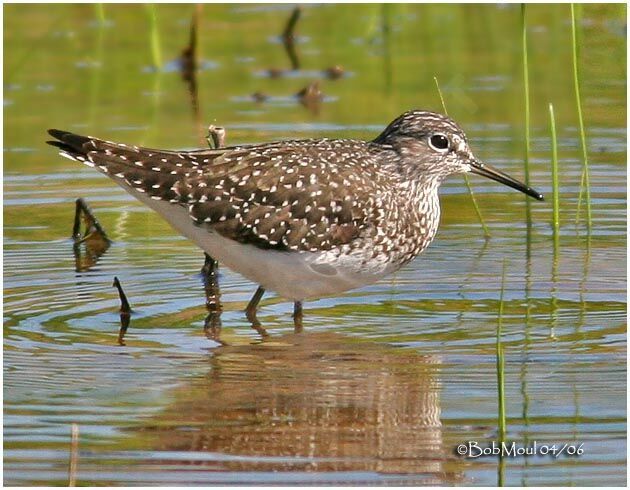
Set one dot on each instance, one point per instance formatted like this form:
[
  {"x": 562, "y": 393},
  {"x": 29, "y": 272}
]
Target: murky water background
[{"x": 385, "y": 381}]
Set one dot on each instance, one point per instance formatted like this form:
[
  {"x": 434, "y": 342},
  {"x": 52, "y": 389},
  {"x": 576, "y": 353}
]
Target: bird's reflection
[{"x": 312, "y": 402}]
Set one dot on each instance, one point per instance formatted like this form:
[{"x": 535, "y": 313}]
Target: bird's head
[{"x": 435, "y": 146}]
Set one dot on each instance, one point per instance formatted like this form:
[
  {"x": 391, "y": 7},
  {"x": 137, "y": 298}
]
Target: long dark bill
[{"x": 486, "y": 170}]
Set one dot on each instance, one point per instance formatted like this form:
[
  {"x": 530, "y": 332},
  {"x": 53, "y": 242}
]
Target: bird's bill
[{"x": 489, "y": 171}]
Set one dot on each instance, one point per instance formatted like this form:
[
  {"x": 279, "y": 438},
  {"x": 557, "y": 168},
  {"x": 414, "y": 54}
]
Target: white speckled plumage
[{"x": 304, "y": 218}]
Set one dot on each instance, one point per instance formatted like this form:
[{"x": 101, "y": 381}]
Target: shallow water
[{"x": 385, "y": 381}]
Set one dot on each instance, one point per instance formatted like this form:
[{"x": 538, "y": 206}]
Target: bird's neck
[{"x": 416, "y": 217}]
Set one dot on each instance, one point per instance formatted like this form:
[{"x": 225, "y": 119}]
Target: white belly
[{"x": 293, "y": 275}]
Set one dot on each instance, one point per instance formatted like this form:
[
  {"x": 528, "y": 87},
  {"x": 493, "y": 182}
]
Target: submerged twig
[
  {"x": 125, "y": 312},
  {"x": 93, "y": 228},
  {"x": 189, "y": 57},
  {"x": 93, "y": 239},
  {"x": 124, "y": 304},
  {"x": 189, "y": 66}
]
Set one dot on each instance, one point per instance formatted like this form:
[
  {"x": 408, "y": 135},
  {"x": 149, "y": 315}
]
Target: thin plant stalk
[
  {"x": 502, "y": 424},
  {"x": 585, "y": 184},
  {"x": 100, "y": 13},
  {"x": 528, "y": 212},
  {"x": 486, "y": 232},
  {"x": 74, "y": 456},
  {"x": 554, "y": 179},
  {"x": 156, "y": 50}
]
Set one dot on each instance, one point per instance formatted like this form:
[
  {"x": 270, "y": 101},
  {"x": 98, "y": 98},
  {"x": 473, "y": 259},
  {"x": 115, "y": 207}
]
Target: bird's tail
[{"x": 159, "y": 174}]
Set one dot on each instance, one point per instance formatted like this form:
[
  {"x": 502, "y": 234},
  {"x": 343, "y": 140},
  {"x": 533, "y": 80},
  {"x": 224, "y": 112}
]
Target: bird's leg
[
  {"x": 212, "y": 326},
  {"x": 298, "y": 315},
  {"x": 210, "y": 271},
  {"x": 250, "y": 311}
]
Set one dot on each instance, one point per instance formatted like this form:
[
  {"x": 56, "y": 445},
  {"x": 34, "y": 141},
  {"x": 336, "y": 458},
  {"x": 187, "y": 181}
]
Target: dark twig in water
[
  {"x": 189, "y": 58},
  {"x": 94, "y": 239},
  {"x": 124, "y": 304},
  {"x": 93, "y": 228},
  {"x": 74, "y": 456},
  {"x": 125, "y": 312},
  {"x": 125, "y": 319},
  {"x": 189, "y": 66},
  {"x": 288, "y": 38}
]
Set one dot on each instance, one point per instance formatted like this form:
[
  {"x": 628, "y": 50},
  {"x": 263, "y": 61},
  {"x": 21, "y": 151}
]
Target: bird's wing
[{"x": 298, "y": 195}]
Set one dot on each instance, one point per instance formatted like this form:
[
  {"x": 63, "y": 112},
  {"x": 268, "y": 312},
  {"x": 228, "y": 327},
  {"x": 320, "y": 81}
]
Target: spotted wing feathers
[{"x": 296, "y": 195}]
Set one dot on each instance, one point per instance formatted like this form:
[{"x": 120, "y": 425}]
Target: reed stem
[
  {"x": 585, "y": 182},
  {"x": 486, "y": 232},
  {"x": 154, "y": 32},
  {"x": 528, "y": 211},
  {"x": 502, "y": 424},
  {"x": 554, "y": 179}
]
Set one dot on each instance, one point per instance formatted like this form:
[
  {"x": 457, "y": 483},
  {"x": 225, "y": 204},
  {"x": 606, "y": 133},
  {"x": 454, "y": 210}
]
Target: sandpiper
[{"x": 304, "y": 218}]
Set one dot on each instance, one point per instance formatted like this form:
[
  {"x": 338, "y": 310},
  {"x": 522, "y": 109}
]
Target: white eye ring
[{"x": 439, "y": 142}]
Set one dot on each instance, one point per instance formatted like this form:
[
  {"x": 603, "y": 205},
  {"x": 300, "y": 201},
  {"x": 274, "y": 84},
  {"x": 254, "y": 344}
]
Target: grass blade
[
  {"x": 502, "y": 424},
  {"x": 528, "y": 211},
  {"x": 554, "y": 180},
  {"x": 154, "y": 32},
  {"x": 486, "y": 232},
  {"x": 585, "y": 184}
]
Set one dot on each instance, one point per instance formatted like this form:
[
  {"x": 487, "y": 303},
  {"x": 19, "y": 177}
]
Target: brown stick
[
  {"x": 124, "y": 304},
  {"x": 288, "y": 38},
  {"x": 92, "y": 227}
]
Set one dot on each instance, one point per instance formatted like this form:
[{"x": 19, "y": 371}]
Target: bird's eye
[{"x": 439, "y": 142}]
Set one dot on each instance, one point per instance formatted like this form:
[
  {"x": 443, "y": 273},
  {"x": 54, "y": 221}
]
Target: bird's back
[{"x": 303, "y": 195}]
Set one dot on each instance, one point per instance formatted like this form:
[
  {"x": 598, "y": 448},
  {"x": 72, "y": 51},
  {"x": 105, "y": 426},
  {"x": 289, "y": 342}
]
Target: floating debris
[
  {"x": 275, "y": 72},
  {"x": 311, "y": 97},
  {"x": 259, "y": 97},
  {"x": 334, "y": 72}
]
